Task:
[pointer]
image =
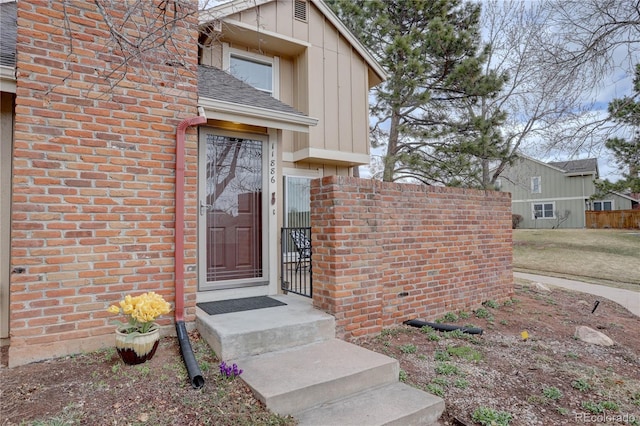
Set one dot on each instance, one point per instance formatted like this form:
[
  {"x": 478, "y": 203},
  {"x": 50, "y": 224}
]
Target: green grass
[
  {"x": 465, "y": 352},
  {"x": 489, "y": 416},
  {"x": 552, "y": 393},
  {"x": 594, "y": 255},
  {"x": 408, "y": 349},
  {"x": 447, "y": 369}
]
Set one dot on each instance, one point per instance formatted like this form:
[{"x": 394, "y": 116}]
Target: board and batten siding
[
  {"x": 568, "y": 193},
  {"x": 327, "y": 80}
]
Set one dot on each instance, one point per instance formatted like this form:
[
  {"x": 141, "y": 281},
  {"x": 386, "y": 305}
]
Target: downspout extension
[
  {"x": 195, "y": 375},
  {"x": 442, "y": 327}
]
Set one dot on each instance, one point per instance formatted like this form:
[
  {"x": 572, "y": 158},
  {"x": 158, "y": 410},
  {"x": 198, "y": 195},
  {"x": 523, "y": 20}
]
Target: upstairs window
[
  {"x": 535, "y": 185},
  {"x": 252, "y": 72},
  {"x": 258, "y": 71}
]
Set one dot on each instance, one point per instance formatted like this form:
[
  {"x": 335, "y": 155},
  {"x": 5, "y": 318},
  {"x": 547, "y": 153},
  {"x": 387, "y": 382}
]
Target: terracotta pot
[{"x": 136, "y": 349}]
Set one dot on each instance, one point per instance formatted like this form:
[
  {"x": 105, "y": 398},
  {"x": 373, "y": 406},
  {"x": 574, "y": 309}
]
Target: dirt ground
[
  {"x": 99, "y": 389},
  {"x": 548, "y": 379}
]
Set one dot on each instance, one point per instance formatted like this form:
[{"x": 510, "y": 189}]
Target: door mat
[{"x": 237, "y": 305}]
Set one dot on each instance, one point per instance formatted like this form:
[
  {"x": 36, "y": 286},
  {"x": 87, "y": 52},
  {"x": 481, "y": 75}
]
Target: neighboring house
[
  {"x": 556, "y": 194},
  {"x": 87, "y": 210}
]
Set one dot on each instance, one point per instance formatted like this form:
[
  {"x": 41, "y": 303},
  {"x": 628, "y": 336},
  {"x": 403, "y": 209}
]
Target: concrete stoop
[
  {"x": 294, "y": 364},
  {"x": 240, "y": 334}
]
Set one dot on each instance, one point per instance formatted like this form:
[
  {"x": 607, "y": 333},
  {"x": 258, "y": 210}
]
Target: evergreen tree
[
  {"x": 625, "y": 111},
  {"x": 432, "y": 53}
]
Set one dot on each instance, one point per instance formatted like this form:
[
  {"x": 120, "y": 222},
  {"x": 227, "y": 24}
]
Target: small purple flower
[{"x": 229, "y": 371}]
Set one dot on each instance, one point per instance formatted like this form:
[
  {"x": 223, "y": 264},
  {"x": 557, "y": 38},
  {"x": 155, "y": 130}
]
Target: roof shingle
[
  {"x": 577, "y": 166},
  {"x": 216, "y": 84},
  {"x": 8, "y": 34}
]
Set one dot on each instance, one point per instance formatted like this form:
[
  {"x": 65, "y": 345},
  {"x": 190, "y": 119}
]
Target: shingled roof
[
  {"x": 216, "y": 84},
  {"x": 588, "y": 165},
  {"x": 8, "y": 34}
]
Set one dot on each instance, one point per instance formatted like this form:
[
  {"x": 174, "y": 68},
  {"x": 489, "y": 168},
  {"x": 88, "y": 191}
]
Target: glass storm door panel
[{"x": 234, "y": 181}]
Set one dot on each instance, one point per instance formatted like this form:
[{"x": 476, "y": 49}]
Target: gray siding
[{"x": 564, "y": 192}]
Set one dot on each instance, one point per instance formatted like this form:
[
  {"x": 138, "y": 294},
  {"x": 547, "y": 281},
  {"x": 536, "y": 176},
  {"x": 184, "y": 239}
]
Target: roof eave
[
  {"x": 359, "y": 47},
  {"x": 257, "y": 116}
]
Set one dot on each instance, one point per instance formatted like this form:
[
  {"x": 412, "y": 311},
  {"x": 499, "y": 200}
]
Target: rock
[
  {"x": 542, "y": 287},
  {"x": 589, "y": 335}
]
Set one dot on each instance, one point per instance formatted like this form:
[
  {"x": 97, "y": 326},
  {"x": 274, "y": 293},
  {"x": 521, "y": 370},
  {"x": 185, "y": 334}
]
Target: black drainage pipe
[
  {"x": 443, "y": 327},
  {"x": 193, "y": 369}
]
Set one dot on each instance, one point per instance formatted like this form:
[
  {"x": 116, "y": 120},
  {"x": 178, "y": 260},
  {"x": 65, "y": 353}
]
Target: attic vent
[{"x": 300, "y": 10}]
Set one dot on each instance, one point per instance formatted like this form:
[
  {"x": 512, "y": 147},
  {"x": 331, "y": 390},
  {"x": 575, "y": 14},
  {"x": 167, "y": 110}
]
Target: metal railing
[{"x": 295, "y": 264}]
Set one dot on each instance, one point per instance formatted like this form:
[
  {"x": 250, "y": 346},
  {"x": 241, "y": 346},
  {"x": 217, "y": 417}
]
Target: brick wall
[
  {"x": 93, "y": 185},
  {"x": 384, "y": 253}
]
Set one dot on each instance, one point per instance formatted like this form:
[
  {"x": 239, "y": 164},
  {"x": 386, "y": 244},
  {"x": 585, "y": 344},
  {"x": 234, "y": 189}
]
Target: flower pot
[{"x": 137, "y": 348}]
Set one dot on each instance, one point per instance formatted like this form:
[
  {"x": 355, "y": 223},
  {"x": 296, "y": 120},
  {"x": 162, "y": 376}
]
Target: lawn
[{"x": 602, "y": 256}]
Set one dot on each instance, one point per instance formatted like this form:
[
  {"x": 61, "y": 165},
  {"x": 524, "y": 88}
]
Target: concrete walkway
[{"x": 627, "y": 298}]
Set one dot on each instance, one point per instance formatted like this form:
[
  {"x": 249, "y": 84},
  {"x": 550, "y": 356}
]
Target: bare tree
[
  {"x": 141, "y": 35},
  {"x": 543, "y": 100},
  {"x": 603, "y": 35},
  {"x": 598, "y": 41}
]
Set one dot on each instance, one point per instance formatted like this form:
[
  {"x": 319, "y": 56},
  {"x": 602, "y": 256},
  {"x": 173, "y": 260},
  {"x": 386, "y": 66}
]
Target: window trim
[
  {"x": 553, "y": 210},
  {"x": 533, "y": 187},
  {"x": 274, "y": 61}
]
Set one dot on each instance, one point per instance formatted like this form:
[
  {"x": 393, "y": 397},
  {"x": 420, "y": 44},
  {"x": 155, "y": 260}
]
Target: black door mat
[{"x": 237, "y": 305}]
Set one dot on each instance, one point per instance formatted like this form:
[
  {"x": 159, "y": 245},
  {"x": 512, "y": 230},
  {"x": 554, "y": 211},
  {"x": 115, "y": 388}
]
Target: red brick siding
[
  {"x": 447, "y": 249},
  {"x": 93, "y": 185}
]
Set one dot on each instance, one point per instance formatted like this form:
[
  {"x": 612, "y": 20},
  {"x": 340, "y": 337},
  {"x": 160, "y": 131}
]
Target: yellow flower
[{"x": 142, "y": 310}]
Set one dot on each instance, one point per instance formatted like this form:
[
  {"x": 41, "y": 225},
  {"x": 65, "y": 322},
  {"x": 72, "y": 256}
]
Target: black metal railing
[{"x": 295, "y": 265}]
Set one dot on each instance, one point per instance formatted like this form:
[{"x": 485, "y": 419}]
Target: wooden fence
[{"x": 617, "y": 219}]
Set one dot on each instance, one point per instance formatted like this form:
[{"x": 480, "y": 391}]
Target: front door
[{"x": 231, "y": 210}]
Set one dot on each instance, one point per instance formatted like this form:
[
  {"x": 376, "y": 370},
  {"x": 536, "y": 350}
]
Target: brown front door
[{"x": 234, "y": 180}]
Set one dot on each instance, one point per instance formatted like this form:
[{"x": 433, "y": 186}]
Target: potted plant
[{"x": 137, "y": 339}]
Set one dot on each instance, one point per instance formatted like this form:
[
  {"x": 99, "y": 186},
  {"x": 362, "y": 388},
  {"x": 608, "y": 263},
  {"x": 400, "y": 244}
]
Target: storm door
[{"x": 231, "y": 210}]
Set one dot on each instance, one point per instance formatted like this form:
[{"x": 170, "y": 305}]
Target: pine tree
[
  {"x": 432, "y": 53},
  {"x": 625, "y": 111}
]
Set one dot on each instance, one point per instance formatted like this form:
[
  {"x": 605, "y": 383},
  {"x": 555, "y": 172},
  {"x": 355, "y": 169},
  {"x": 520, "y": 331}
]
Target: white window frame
[
  {"x": 602, "y": 205},
  {"x": 536, "y": 185},
  {"x": 295, "y": 173},
  {"x": 273, "y": 61},
  {"x": 553, "y": 210}
]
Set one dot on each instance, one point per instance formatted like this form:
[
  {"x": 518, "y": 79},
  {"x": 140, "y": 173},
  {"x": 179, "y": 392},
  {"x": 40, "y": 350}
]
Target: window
[
  {"x": 603, "y": 205},
  {"x": 544, "y": 211},
  {"x": 297, "y": 201},
  {"x": 258, "y": 71},
  {"x": 254, "y": 73},
  {"x": 535, "y": 185},
  {"x": 498, "y": 184}
]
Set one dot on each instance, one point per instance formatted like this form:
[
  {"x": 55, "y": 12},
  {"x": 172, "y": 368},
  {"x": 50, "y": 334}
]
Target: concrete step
[
  {"x": 295, "y": 380},
  {"x": 395, "y": 404},
  {"x": 242, "y": 334}
]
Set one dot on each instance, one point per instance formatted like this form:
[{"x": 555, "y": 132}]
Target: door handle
[{"x": 204, "y": 208}]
